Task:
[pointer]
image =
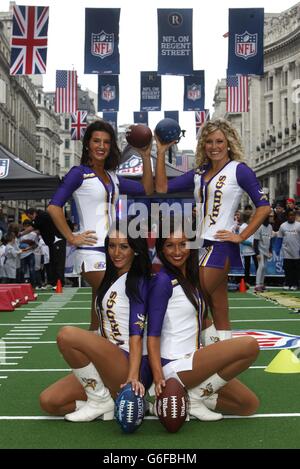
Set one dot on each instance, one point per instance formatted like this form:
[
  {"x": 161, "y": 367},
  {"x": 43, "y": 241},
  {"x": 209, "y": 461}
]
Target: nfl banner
[
  {"x": 102, "y": 41},
  {"x": 175, "y": 41},
  {"x": 194, "y": 94},
  {"x": 246, "y": 41},
  {"x": 150, "y": 91},
  {"x": 108, "y": 93},
  {"x": 172, "y": 115},
  {"x": 29, "y": 40},
  {"x": 140, "y": 118},
  {"x": 112, "y": 119}
]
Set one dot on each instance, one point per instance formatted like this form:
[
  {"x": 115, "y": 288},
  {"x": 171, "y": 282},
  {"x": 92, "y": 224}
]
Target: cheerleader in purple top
[
  {"x": 218, "y": 183},
  {"x": 95, "y": 188},
  {"x": 118, "y": 354},
  {"x": 175, "y": 313}
]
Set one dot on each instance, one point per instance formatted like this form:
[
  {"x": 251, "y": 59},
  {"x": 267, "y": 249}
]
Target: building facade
[{"x": 271, "y": 129}]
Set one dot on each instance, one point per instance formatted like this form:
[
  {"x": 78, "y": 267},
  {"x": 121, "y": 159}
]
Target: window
[
  {"x": 67, "y": 124},
  {"x": 270, "y": 113},
  {"x": 285, "y": 108},
  {"x": 67, "y": 161},
  {"x": 67, "y": 144},
  {"x": 270, "y": 83}
]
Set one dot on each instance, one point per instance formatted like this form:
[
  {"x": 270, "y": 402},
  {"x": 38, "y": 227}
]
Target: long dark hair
[
  {"x": 190, "y": 282},
  {"x": 139, "y": 271},
  {"x": 113, "y": 160}
]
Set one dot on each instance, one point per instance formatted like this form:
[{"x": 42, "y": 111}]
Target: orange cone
[
  {"x": 243, "y": 288},
  {"x": 59, "y": 288}
]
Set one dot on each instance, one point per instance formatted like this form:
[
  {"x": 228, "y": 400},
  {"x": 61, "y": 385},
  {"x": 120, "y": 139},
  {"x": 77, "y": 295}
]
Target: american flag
[
  {"x": 182, "y": 162},
  {"x": 78, "y": 124},
  {"x": 29, "y": 40},
  {"x": 200, "y": 118},
  {"x": 237, "y": 93},
  {"x": 66, "y": 91}
]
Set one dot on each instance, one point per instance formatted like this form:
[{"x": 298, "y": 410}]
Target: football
[
  {"x": 138, "y": 135},
  {"x": 172, "y": 405},
  {"x": 129, "y": 409}
]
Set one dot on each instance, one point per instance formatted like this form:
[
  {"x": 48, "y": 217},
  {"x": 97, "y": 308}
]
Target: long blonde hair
[{"x": 235, "y": 151}]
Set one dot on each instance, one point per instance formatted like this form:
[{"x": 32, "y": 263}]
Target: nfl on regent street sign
[{"x": 102, "y": 41}]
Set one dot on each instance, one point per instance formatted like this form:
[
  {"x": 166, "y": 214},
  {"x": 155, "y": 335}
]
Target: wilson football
[
  {"x": 129, "y": 409},
  {"x": 138, "y": 135},
  {"x": 172, "y": 405}
]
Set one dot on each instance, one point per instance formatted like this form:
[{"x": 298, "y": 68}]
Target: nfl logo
[
  {"x": 108, "y": 93},
  {"x": 246, "y": 45},
  {"x": 194, "y": 92},
  {"x": 102, "y": 44},
  {"x": 4, "y": 166}
]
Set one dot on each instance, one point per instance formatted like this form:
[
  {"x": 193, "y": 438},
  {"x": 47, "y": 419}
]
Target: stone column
[{"x": 292, "y": 181}]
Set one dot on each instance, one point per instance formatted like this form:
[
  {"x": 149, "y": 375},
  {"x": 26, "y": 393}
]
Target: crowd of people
[{"x": 145, "y": 329}]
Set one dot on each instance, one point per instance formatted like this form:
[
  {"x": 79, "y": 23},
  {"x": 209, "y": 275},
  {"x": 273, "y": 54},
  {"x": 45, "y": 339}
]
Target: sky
[{"x": 138, "y": 49}]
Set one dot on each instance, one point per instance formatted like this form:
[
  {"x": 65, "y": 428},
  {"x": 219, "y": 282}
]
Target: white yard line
[{"x": 47, "y": 417}]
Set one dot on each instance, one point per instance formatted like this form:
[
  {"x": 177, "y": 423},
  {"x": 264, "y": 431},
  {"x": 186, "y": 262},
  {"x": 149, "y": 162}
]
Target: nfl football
[
  {"x": 172, "y": 405},
  {"x": 138, "y": 135},
  {"x": 129, "y": 409}
]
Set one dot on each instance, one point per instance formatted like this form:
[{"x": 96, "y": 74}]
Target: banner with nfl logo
[
  {"x": 108, "y": 93},
  {"x": 140, "y": 118},
  {"x": 175, "y": 41},
  {"x": 112, "y": 119},
  {"x": 150, "y": 91},
  {"x": 194, "y": 94},
  {"x": 172, "y": 115},
  {"x": 102, "y": 41},
  {"x": 246, "y": 41}
]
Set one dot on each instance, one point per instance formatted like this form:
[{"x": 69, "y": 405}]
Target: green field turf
[{"x": 24, "y": 375}]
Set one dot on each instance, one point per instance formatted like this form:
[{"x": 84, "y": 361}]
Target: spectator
[
  {"x": 248, "y": 253},
  {"x": 263, "y": 251},
  {"x": 248, "y": 211},
  {"x": 289, "y": 233},
  {"x": 279, "y": 216},
  {"x": 290, "y": 204},
  {"x": 3, "y": 224},
  {"x": 12, "y": 256},
  {"x": 41, "y": 221},
  {"x": 28, "y": 243}
]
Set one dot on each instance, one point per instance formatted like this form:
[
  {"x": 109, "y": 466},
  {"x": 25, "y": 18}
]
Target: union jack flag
[
  {"x": 66, "y": 91},
  {"x": 200, "y": 118},
  {"x": 78, "y": 124},
  {"x": 29, "y": 40}
]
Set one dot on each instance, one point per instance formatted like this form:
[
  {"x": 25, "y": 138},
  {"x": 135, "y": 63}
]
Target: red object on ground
[
  {"x": 5, "y": 301},
  {"x": 243, "y": 288},
  {"x": 13, "y": 295},
  {"x": 27, "y": 289},
  {"x": 59, "y": 288},
  {"x": 17, "y": 293}
]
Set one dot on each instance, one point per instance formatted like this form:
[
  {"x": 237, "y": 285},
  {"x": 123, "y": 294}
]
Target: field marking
[
  {"x": 50, "y": 324},
  {"x": 48, "y": 417},
  {"x": 265, "y": 320},
  {"x": 48, "y": 370}
]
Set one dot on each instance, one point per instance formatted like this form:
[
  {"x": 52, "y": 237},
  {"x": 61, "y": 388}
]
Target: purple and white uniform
[
  {"x": 95, "y": 203},
  {"x": 218, "y": 201},
  {"x": 120, "y": 317},
  {"x": 173, "y": 318}
]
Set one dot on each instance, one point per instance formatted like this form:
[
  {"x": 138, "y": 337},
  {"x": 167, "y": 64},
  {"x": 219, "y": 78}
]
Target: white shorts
[
  {"x": 171, "y": 369},
  {"x": 89, "y": 261}
]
